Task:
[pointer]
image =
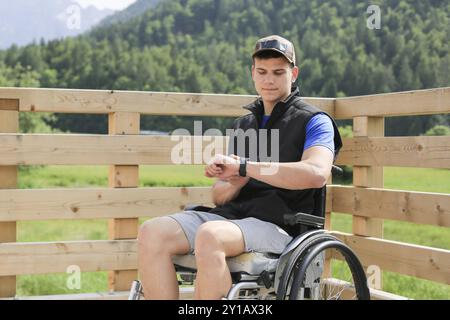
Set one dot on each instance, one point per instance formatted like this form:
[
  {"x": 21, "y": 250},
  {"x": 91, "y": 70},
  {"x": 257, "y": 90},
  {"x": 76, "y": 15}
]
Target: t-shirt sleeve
[{"x": 319, "y": 132}]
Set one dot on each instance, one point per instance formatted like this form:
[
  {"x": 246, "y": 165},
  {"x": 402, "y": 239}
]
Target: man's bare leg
[
  {"x": 158, "y": 240},
  {"x": 216, "y": 240}
]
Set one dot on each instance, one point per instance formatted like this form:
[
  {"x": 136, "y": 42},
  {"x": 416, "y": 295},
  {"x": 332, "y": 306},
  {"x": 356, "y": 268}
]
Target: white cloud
[{"x": 102, "y": 4}]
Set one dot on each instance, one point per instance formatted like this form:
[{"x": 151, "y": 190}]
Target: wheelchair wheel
[
  {"x": 345, "y": 279},
  {"x": 286, "y": 278}
]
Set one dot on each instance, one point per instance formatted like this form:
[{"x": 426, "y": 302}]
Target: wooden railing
[{"x": 124, "y": 202}]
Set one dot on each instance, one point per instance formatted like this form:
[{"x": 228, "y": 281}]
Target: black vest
[{"x": 258, "y": 199}]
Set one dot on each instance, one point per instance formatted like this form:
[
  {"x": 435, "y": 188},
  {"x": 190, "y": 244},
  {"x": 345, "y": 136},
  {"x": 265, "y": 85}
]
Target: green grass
[
  {"x": 417, "y": 179},
  {"x": 428, "y": 180},
  {"x": 91, "y": 176},
  {"x": 52, "y": 284},
  {"x": 59, "y": 230}
]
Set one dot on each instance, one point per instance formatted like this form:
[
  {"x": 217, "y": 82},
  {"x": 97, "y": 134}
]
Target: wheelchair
[{"x": 315, "y": 265}]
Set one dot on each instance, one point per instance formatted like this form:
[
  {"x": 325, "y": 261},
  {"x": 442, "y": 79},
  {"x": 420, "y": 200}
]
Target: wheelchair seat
[{"x": 251, "y": 263}]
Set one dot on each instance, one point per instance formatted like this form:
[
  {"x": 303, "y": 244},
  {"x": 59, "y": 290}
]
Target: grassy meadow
[{"x": 428, "y": 180}]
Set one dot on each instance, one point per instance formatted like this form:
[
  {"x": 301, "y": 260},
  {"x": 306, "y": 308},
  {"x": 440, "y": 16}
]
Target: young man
[{"x": 251, "y": 195}]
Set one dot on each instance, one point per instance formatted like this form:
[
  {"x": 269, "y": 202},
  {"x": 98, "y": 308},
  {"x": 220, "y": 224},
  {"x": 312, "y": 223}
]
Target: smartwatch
[{"x": 243, "y": 167}]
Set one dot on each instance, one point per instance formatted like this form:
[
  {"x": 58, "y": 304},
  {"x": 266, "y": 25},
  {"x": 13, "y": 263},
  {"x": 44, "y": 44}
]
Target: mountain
[
  {"x": 205, "y": 46},
  {"x": 24, "y": 21},
  {"x": 136, "y": 9}
]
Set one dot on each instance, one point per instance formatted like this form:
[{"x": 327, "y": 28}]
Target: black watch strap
[{"x": 243, "y": 167}]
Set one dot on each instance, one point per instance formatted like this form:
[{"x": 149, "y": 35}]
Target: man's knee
[
  {"x": 218, "y": 238},
  {"x": 208, "y": 247},
  {"x": 207, "y": 239},
  {"x": 149, "y": 234},
  {"x": 160, "y": 235}
]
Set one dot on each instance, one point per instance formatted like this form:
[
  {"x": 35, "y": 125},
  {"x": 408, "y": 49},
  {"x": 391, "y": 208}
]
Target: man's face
[{"x": 273, "y": 78}]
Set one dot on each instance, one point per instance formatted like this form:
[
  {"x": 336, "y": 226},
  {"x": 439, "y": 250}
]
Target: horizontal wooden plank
[
  {"x": 117, "y": 295},
  {"x": 418, "y": 207},
  {"x": 383, "y": 295},
  {"x": 426, "y": 152},
  {"x": 186, "y": 293},
  {"x": 107, "y": 101},
  {"x": 325, "y": 104},
  {"x": 35, "y": 149},
  {"x": 409, "y": 259},
  {"x": 56, "y": 257},
  {"x": 100, "y": 203},
  {"x": 150, "y": 103},
  {"x": 417, "y": 102}
]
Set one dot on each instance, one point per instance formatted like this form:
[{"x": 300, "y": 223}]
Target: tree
[{"x": 439, "y": 130}]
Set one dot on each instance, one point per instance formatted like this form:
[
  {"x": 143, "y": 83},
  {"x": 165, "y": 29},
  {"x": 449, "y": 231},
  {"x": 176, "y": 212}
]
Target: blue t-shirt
[
  {"x": 319, "y": 131},
  {"x": 264, "y": 121}
]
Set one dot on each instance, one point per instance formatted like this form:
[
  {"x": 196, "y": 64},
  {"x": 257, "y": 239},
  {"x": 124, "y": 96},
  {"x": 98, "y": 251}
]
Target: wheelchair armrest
[
  {"x": 293, "y": 219},
  {"x": 337, "y": 170},
  {"x": 196, "y": 207}
]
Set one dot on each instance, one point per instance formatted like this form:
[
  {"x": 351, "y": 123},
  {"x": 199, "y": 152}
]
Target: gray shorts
[{"x": 259, "y": 236}]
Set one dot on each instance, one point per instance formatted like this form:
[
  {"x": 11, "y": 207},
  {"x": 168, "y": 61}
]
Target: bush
[
  {"x": 346, "y": 131},
  {"x": 439, "y": 130},
  {"x": 36, "y": 123}
]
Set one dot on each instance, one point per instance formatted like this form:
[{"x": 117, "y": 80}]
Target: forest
[{"x": 204, "y": 46}]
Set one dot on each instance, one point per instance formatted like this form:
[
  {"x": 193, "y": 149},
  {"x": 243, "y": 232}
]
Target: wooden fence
[{"x": 124, "y": 202}]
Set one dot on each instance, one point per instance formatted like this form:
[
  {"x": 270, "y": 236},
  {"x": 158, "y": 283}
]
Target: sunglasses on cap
[{"x": 271, "y": 44}]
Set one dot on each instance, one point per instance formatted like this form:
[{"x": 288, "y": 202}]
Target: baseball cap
[{"x": 278, "y": 44}]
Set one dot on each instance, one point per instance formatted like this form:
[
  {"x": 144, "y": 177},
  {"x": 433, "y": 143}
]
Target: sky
[{"x": 109, "y": 4}]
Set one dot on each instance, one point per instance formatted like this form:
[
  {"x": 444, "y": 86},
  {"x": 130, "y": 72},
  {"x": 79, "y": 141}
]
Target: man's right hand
[{"x": 213, "y": 170}]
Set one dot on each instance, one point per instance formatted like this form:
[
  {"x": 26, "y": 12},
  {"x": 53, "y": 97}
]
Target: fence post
[
  {"x": 9, "y": 123},
  {"x": 328, "y": 206},
  {"x": 123, "y": 176},
  {"x": 327, "y": 226},
  {"x": 365, "y": 176}
]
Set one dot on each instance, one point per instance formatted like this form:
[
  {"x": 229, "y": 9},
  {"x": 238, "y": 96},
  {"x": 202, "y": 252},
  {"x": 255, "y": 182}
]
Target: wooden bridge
[{"x": 123, "y": 203}]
